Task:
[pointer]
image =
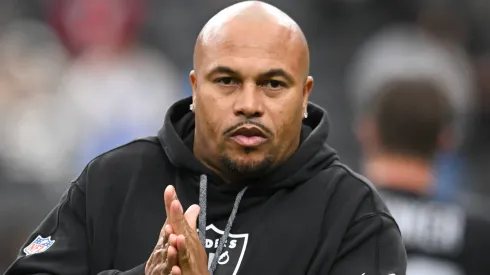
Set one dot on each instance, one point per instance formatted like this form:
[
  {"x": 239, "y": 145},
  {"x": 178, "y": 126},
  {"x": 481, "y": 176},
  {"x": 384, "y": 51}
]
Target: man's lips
[
  {"x": 249, "y": 136},
  {"x": 245, "y": 141}
]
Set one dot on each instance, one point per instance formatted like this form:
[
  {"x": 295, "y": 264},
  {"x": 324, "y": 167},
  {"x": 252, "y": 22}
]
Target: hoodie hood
[
  {"x": 177, "y": 139},
  {"x": 312, "y": 156}
]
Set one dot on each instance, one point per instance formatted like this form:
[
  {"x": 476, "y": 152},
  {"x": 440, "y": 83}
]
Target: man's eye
[
  {"x": 274, "y": 84},
  {"x": 226, "y": 81}
]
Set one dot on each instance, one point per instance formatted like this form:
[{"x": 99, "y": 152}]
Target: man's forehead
[
  {"x": 244, "y": 15},
  {"x": 274, "y": 48},
  {"x": 254, "y": 31}
]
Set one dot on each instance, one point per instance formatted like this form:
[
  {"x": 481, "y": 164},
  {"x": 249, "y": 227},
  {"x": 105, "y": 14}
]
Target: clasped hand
[{"x": 178, "y": 250}]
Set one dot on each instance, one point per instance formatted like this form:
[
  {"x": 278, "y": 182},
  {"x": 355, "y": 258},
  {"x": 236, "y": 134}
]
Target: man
[
  {"x": 407, "y": 115},
  {"x": 251, "y": 151}
]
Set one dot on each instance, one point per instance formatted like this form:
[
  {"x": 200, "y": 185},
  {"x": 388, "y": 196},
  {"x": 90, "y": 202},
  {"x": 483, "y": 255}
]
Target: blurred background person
[
  {"x": 31, "y": 61},
  {"x": 33, "y": 137},
  {"x": 411, "y": 93},
  {"x": 116, "y": 89},
  {"x": 410, "y": 51}
]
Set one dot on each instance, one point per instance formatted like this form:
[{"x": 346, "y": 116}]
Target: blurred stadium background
[{"x": 78, "y": 77}]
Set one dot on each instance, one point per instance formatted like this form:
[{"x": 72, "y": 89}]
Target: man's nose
[{"x": 248, "y": 102}]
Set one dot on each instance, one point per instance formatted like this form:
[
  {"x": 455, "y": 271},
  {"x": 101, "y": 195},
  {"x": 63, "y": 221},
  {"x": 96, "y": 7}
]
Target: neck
[
  {"x": 400, "y": 172},
  {"x": 211, "y": 163}
]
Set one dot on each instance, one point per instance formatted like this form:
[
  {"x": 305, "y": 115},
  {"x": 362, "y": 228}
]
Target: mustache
[{"x": 247, "y": 122}]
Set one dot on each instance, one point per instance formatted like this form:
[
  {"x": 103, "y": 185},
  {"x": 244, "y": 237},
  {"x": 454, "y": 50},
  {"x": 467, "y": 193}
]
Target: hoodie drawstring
[
  {"x": 203, "y": 187},
  {"x": 202, "y": 220}
]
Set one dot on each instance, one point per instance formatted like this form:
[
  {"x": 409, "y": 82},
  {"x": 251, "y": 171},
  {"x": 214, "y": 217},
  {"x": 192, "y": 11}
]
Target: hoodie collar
[{"x": 312, "y": 156}]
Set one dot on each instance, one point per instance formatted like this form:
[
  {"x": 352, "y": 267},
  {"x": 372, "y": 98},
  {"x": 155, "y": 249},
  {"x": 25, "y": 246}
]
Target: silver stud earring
[
  {"x": 305, "y": 114},
  {"x": 191, "y": 107}
]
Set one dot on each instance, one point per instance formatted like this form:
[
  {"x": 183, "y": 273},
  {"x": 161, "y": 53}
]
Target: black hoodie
[{"x": 312, "y": 215}]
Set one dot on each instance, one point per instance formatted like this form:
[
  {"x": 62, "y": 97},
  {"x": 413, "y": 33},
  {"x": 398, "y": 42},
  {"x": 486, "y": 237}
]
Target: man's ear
[
  {"x": 193, "y": 82},
  {"x": 306, "y": 91}
]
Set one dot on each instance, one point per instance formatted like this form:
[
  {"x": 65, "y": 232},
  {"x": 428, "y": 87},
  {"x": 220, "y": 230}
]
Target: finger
[
  {"x": 173, "y": 240},
  {"x": 181, "y": 243},
  {"x": 164, "y": 252},
  {"x": 164, "y": 235},
  {"x": 177, "y": 219},
  {"x": 182, "y": 250},
  {"x": 176, "y": 271},
  {"x": 162, "y": 268},
  {"x": 172, "y": 256},
  {"x": 169, "y": 196},
  {"x": 163, "y": 260},
  {"x": 191, "y": 216},
  {"x": 168, "y": 230}
]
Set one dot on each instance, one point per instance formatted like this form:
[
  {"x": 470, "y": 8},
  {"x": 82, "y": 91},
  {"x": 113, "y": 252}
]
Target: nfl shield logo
[{"x": 39, "y": 245}]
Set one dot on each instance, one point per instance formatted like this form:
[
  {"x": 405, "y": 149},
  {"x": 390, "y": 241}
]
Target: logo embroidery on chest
[{"x": 232, "y": 254}]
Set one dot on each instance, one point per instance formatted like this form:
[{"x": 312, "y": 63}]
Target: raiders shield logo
[{"x": 232, "y": 254}]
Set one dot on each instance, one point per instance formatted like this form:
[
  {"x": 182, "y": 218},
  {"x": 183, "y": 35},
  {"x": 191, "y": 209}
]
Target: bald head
[{"x": 253, "y": 24}]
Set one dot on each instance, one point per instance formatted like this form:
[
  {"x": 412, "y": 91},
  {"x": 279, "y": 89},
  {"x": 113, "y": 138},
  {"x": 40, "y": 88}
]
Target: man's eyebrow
[
  {"x": 278, "y": 72},
  {"x": 268, "y": 74},
  {"x": 222, "y": 70}
]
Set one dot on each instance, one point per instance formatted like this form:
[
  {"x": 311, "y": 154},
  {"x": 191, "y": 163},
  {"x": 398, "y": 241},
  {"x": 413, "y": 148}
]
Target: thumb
[{"x": 191, "y": 215}]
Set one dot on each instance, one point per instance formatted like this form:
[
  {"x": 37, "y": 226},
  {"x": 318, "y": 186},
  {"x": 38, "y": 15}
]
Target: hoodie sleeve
[
  {"x": 60, "y": 244},
  {"x": 371, "y": 246}
]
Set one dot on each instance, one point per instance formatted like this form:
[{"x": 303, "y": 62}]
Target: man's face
[{"x": 250, "y": 92}]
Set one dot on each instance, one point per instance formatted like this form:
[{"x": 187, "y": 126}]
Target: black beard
[{"x": 248, "y": 170}]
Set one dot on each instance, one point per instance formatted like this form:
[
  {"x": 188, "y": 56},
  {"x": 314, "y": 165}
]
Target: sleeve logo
[{"x": 39, "y": 245}]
